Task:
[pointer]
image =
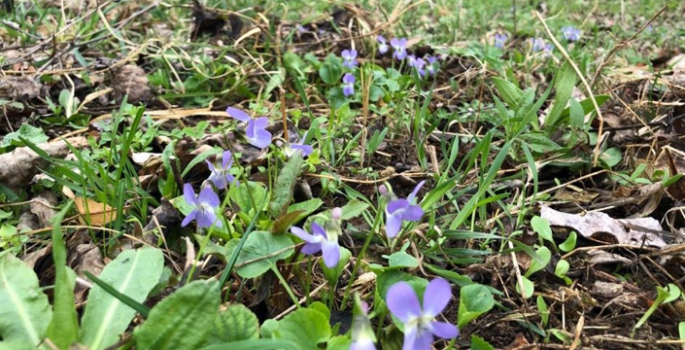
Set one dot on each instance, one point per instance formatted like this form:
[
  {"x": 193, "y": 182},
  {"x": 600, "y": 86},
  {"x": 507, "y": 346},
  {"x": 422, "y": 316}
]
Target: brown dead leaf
[
  {"x": 18, "y": 167},
  {"x": 601, "y": 227},
  {"x": 31, "y": 259},
  {"x": 520, "y": 343},
  {"x": 131, "y": 80},
  {"x": 19, "y": 88},
  {"x": 98, "y": 214},
  {"x": 41, "y": 207}
]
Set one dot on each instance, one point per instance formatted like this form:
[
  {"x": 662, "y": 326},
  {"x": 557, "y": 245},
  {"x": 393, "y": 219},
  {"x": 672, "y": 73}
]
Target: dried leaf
[{"x": 601, "y": 227}]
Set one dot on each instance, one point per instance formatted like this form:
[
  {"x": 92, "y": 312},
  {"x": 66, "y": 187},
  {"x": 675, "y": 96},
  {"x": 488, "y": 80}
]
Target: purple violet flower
[
  {"x": 363, "y": 337},
  {"x": 571, "y": 33},
  {"x": 322, "y": 241},
  {"x": 300, "y": 146},
  {"x": 256, "y": 128},
  {"x": 205, "y": 204},
  {"x": 221, "y": 177},
  {"x": 402, "y": 209},
  {"x": 419, "y": 63},
  {"x": 400, "y": 47},
  {"x": 348, "y": 89},
  {"x": 419, "y": 325},
  {"x": 500, "y": 40},
  {"x": 383, "y": 46},
  {"x": 349, "y": 58},
  {"x": 432, "y": 68},
  {"x": 539, "y": 44}
]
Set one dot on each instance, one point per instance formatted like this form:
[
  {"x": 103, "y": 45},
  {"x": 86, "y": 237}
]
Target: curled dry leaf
[
  {"x": 601, "y": 227},
  {"x": 42, "y": 207},
  {"x": 18, "y": 167},
  {"x": 607, "y": 289}
]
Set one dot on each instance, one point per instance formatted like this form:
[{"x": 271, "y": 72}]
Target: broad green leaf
[
  {"x": 24, "y": 310},
  {"x": 510, "y": 93},
  {"x": 183, "y": 320},
  {"x": 241, "y": 195},
  {"x": 63, "y": 329},
  {"x": 576, "y": 113},
  {"x": 570, "y": 242},
  {"x": 681, "y": 330},
  {"x": 353, "y": 209},
  {"x": 539, "y": 143},
  {"x": 474, "y": 300},
  {"x": 340, "y": 342},
  {"x": 283, "y": 190},
  {"x": 542, "y": 228},
  {"x": 261, "y": 344},
  {"x": 235, "y": 324},
  {"x": 611, "y": 157},
  {"x": 261, "y": 250},
  {"x": 284, "y": 221},
  {"x": 26, "y": 131},
  {"x": 133, "y": 273},
  {"x": 401, "y": 259},
  {"x": 478, "y": 343},
  {"x": 306, "y": 327},
  {"x": 528, "y": 287},
  {"x": 331, "y": 70},
  {"x": 565, "y": 81},
  {"x": 305, "y": 208},
  {"x": 275, "y": 81},
  {"x": 562, "y": 268},
  {"x": 537, "y": 265},
  {"x": 587, "y": 105}
]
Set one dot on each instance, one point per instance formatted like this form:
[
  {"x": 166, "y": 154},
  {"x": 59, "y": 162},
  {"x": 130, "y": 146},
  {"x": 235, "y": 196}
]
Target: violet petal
[{"x": 402, "y": 301}]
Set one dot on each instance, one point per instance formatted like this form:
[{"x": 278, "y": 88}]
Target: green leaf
[
  {"x": 133, "y": 273},
  {"x": 261, "y": 344},
  {"x": 565, "y": 81},
  {"x": 340, "y": 342},
  {"x": 587, "y": 105},
  {"x": 539, "y": 143},
  {"x": 681, "y": 330},
  {"x": 331, "y": 70},
  {"x": 611, "y": 157},
  {"x": 537, "y": 265},
  {"x": 528, "y": 287},
  {"x": 63, "y": 329},
  {"x": 474, "y": 300},
  {"x": 30, "y": 133},
  {"x": 576, "y": 113},
  {"x": 24, "y": 309},
  {"x": 284, "y": 222},
  {"x": 183, "y": 320},
  {"x": 353, "y": 209},
  {"x": 332, "y": 275},
  {"x": 478, "y": 343},
  {"x": 542, "y": 228},
  {"x": 401, "y": 259},
  {"x": 283, "y": 190},
  {"x": 241, "y": 195},
  {"x": 235, "y": 324},
  {"x": 570, "y": 242},
  {"x": 510, "y": 93},
  {"x": 261, "y": 250},
  {"x": 306, "y": 327},
  {"x": 544, "y": 311},
  {"x": 305, "y": 208}
]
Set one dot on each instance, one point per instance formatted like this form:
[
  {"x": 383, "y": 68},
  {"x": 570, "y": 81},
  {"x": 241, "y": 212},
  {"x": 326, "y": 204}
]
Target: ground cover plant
[{"x": 356, "y": 175}]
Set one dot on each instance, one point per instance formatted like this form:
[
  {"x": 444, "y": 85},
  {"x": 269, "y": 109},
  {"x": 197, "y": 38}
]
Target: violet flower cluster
[
  {"x": 571, "y": 33},
  {"x": 539, "y": 44},
  {"x": 500, "y": 40}
]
